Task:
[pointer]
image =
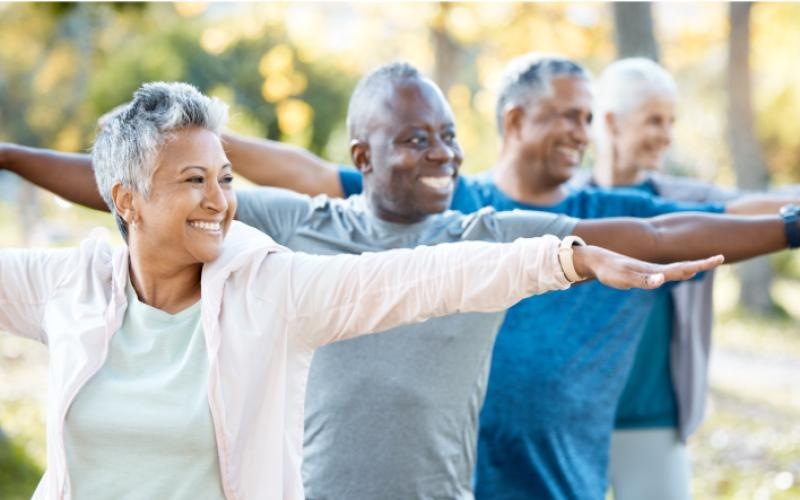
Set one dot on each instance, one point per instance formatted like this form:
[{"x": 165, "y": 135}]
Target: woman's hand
[{"x": 619, "y": 271}]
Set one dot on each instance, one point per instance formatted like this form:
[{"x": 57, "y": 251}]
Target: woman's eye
[
  {"x": 417, "y": 140},
  {"x": 227, "y": 179},
  {"x": 197, "y": 179}
]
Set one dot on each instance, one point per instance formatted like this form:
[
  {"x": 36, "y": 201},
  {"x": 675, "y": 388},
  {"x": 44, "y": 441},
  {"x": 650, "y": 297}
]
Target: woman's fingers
[
  {"x": 686, "y": 270},
  {"x": 625, "y": 272}
]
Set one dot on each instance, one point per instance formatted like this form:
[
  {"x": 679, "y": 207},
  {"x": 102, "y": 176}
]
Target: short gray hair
[
  {"x": 622, "y": 87},
  {"x": 529, "y": 76},
  {"x": 371, "y": 87},
  {"x": 127, "y": 146}
]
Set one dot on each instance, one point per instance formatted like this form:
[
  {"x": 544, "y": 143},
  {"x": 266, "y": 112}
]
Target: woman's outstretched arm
[{"x": 334, "y": 298}]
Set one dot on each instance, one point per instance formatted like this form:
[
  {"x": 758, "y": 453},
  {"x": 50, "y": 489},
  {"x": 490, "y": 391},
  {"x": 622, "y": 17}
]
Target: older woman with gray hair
[
  {"x": 664, "y": 399},
  {"x": 178, "y": 362}
]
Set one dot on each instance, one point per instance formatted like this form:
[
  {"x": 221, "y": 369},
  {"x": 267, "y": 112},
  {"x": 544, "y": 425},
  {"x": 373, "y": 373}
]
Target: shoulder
[{"x": 273, "y": 198}]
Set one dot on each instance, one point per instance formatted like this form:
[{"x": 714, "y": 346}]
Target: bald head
[{"x": 371, "y": 92}]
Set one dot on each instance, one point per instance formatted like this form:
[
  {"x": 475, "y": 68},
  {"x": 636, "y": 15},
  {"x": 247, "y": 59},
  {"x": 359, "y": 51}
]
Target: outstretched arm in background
[
  {"x": 686, "y": 236},
  {"x": 69, "y": 175},
  {"x": 271, "y": 163},
  {"x": 262, "y": 161}
]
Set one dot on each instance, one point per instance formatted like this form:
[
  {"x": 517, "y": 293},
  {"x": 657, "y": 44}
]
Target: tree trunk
[
  {"x": 748, "y": 163},
  {"x": 633, "y": 30},
  {"x": 448, "y": 53}
]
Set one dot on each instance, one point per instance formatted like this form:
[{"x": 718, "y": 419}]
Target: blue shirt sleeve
[
  {"x": 660, "y": 206},
  {"x": 621, "y": 202},
  {"x": 350, "y": 180}
]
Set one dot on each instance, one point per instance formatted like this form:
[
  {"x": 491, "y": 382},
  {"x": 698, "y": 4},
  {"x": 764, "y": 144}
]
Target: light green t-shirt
[{"x": 141, "y": 427}]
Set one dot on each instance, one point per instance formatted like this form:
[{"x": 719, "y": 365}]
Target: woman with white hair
[
  {"x": 178, "y": 362},
  {"x": 664, "y": 399}
]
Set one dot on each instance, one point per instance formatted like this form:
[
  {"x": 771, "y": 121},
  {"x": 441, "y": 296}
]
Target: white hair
[
  {"x": 622, "y": 87},
  {"x": 126, "y": 148}
]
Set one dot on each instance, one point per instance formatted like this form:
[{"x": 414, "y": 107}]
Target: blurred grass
[{"x": 749, "y": 444}]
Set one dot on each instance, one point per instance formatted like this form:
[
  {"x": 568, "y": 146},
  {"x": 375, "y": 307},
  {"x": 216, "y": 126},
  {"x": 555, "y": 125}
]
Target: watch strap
[
  {"x": 790, "y": 214},
  {"x": 565, "y": 257}
]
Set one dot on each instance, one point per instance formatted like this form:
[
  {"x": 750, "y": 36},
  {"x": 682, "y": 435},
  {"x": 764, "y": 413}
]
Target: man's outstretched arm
[
  {"x": 760, "y": 203},
  {"x": 687, "y": 236},
  {"x": 271, "y": 163},
  {"x": 69, "y": 175}
]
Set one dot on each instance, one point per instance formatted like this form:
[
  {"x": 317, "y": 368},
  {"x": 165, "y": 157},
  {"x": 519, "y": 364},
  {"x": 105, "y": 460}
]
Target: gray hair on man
[
  {"x": 127, "y": 146},
  {"x": 370, "y": 90},
  {"x": 623, "y": 86},
  {"x": 528, "y": 77}
]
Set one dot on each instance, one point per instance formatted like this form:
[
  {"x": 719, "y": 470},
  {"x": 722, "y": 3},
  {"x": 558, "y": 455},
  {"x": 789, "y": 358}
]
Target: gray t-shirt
[{"x": 393, "y": 415}]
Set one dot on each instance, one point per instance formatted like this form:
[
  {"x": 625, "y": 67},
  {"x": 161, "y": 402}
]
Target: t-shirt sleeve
[
  {"x": 644, "y": 205},
  {"x": 685, "y": 189},
  {"x": 351, "y": 180},
  {"x": 276, "y": 212},
  {"x": 659, "y": 206},
  {"x": 509, "y": 225}
]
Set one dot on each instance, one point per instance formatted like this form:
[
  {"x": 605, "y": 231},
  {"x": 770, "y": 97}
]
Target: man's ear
[
  {"x": 512, "y": 120},
  {"x": 124, "y": 203},
  {"x": 611, "y": 122},
  {"x": 360, "y": 154}
]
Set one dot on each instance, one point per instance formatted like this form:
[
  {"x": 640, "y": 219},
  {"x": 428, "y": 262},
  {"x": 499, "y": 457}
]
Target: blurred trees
[
  {"x": 87, "y": 58},
  {"x": 633, "y": 30},
  {"x": 287, "y": 69},
  {"x": 748, "y": 163}
]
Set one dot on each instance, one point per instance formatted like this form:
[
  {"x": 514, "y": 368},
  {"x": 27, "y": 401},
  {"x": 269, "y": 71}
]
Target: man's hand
[{"x": 619, "y": 271}]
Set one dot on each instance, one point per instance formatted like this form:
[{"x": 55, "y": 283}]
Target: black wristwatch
[{"x": 790, "y": 214}]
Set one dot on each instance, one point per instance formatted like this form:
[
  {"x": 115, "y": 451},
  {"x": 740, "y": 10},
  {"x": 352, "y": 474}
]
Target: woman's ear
[
  {"x": 124, "y": 203},
  {"x": 360, "y": 154}
]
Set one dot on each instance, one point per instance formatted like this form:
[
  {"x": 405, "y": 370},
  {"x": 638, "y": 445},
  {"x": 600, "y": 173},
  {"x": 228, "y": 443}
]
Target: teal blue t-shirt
[{"x": 648, "y": 399}]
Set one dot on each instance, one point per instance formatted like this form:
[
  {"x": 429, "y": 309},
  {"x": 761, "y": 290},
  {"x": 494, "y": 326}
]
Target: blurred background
[{"x": 287, "y": 71}]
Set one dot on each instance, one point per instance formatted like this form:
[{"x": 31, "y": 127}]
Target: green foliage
[
  {"x": 87, "y": 59},
  {"x": 19, "y": 474}
]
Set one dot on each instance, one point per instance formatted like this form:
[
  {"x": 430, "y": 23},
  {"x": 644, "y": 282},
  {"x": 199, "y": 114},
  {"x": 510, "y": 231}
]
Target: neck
[
  {"x": 527, "y": 185},
  {"x": 387, "y": 215},
  {"x": 167, "y": 287},
  {"x": 608, "y": 173}
]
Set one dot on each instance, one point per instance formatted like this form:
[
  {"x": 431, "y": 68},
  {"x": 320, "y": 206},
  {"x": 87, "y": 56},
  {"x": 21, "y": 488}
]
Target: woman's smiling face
[{"x": 190, "y": 204}]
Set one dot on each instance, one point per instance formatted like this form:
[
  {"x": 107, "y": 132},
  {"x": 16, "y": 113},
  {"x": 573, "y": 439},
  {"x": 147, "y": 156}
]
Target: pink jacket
[{"x": 264, "y": 311}]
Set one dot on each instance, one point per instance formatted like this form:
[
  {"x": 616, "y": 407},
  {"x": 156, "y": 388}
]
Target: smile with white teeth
[
  {"x": 437, "y": 182},
  {"x": 572, "y": 154},
  {"x": 206, "y": 226}
]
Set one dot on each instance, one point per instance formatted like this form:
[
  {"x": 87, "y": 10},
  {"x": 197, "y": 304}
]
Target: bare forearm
[
  {"x": 270, "y": 163},
  {"x": 760, "y": 203},
  {"x": 69, "y": 175},
  {"x": 685, "y": 236}
]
